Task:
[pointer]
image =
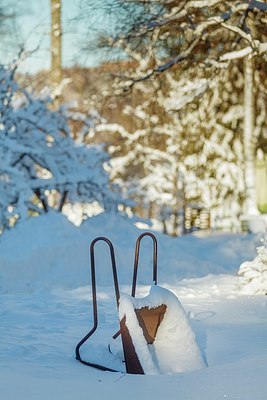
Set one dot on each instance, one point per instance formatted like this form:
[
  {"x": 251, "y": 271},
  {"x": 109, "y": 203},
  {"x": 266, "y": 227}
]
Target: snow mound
[
  {"x": 42, "y": 253},
  {"x": 100, "y": 355},
  {"x": 253, "y": 274},
  {"x": 48, "y": 252},
  {"x": 174, "y": 348}
]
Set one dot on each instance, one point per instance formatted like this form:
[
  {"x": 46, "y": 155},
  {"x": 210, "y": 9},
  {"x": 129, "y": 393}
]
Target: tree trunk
[
  {"x": 56, "y": 33},
  {"x": 178, "y": 195},
  {"x": 249, "y": 140}
]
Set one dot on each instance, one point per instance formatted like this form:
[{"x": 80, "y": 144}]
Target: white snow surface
[
  {"x": 49, "y": 252},
  {"x": 46, "y": 308}
]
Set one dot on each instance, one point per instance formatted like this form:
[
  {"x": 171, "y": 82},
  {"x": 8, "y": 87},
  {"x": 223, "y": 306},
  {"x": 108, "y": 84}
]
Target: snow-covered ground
[{"x": 46, "y": 309}]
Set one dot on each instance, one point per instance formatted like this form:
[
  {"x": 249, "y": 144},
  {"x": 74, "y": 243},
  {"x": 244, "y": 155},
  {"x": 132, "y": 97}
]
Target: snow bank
[
  {"x": 42, "y": 253},
  {"x": 174, "y": 348},
  {"x": 48, "y": 252}
]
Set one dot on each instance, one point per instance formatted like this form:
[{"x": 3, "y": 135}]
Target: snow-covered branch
[
  {"x": 234, "y": 55},
  {"x": 193, "y": 30},
  {"x": 41, "y": 165}
]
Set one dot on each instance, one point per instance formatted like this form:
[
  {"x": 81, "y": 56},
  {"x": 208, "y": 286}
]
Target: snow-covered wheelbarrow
[{"x": 155, "y": 333}]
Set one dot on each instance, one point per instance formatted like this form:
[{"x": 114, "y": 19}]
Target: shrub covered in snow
[
  {"x": 253, "y": 274},
  {"x": 41, "y": 165}
]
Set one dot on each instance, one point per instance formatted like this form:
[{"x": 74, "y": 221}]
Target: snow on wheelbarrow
[{"x": 155, "y": 333}]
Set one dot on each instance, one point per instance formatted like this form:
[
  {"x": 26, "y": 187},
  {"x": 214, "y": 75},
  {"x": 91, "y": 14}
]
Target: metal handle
[
  {"x": 95, "y": 316},
  {"x": 136, "y": 259}
]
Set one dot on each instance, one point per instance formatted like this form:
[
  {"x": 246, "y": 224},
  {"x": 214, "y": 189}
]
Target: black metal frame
[
  {"x": 116, "y": 287},
  {"x": 136, "y": 259},
  {"x": 94, "y": 299}
]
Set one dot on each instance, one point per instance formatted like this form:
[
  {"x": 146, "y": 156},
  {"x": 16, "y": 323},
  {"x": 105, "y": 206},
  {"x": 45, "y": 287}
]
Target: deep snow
[
  {"x": 46, "y": 309},
  {"x": 50, "y": 252}
]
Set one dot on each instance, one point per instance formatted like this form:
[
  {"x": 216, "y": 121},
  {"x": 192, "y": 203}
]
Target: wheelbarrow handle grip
[{"x": 136, "y": 259}]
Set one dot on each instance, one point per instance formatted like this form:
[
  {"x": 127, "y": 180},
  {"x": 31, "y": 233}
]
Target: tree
[
  {"x": 181, "y": 146},
  {"x": 56, "y": 34},
  {"x": 209, "y": 35},
  {"x": 189, "y": 60},
  {"x": 41, "y": 165}
]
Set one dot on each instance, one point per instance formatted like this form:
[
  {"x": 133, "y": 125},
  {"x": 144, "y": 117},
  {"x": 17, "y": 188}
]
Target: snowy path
[{"x": 39, "y": 331}]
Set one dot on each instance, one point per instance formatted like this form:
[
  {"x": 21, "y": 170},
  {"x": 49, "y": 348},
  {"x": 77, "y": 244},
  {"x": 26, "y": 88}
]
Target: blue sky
[{"x": 32, "y": 29}]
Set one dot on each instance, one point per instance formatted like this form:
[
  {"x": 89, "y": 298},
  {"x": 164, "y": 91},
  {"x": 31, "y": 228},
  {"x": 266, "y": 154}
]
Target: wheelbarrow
[{"x": 141, "y": 319}]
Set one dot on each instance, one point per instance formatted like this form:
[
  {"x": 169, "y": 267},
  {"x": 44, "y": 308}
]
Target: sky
[{"x": 32, "y": 29}]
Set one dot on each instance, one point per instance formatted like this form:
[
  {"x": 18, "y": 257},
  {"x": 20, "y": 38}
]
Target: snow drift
[{"x": 48, "y": 252}]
